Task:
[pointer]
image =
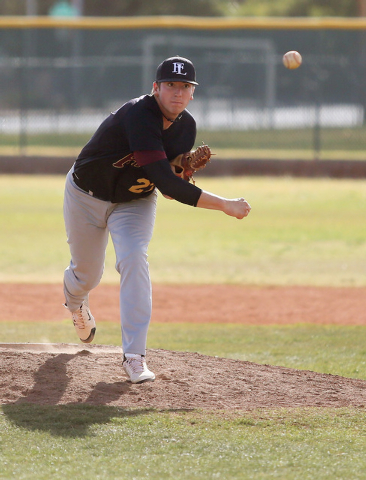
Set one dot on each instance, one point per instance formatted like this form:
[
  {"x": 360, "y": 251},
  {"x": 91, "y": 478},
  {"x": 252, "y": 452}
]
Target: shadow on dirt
[{"x": 39, "y": 409}]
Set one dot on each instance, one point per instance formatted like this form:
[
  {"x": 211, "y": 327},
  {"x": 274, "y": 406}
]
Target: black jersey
[{"x": 106, "y": 167}]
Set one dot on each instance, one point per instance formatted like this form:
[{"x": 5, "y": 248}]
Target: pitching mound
[{"x": 55, "y": 374}]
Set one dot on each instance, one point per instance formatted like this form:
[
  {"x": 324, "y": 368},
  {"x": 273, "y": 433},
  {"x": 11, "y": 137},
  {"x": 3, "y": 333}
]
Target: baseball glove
[{"x": 186, "y": 164}]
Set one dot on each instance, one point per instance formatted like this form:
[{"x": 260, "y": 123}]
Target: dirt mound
[{"x": 56, "y": 374}]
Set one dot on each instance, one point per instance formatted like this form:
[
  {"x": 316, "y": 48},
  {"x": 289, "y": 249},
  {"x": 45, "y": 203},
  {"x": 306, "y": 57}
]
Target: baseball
[{"x": 292, "y": 59}]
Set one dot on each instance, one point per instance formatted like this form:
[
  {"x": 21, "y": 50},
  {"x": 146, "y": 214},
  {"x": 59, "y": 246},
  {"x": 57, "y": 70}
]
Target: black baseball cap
[{"x": 176, "y": 69}]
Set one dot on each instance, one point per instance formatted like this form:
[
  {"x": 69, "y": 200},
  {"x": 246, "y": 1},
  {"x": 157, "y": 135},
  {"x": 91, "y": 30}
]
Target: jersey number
[{"x": 144, "y": 186}]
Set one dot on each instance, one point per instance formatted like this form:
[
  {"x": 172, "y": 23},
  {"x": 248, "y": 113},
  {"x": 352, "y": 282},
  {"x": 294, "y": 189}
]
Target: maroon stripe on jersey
[{"x": 144, "y": 157}]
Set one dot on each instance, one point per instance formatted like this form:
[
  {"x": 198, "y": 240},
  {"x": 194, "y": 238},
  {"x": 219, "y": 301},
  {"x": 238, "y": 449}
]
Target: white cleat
[
  {"x": 135, "y": 367},
  {"x": 84, "y": 323}
]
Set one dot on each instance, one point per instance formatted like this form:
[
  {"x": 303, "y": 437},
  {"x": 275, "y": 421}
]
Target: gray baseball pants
[{"x": 88, "y": 222}]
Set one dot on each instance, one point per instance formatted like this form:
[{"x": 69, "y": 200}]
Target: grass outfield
[
  {"x": 62, "y": 442},
  {"x": 80, "y": 441},
  {"x": 300, "y": 232},
  {"x": 83, "y": 442}
]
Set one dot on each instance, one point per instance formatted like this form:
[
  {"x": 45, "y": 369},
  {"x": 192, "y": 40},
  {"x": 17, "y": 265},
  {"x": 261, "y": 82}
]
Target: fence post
[{"x": 317, "y": 131}]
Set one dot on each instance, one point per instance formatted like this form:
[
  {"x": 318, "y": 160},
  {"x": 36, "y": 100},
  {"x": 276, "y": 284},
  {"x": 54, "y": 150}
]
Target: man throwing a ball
[{"x": 112, "y": 189}]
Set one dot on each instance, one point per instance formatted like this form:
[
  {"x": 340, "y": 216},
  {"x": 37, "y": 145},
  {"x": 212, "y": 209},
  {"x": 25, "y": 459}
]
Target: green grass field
[
  {"x": 300, "y": 231},
  {"x": 83, "y": 442}
]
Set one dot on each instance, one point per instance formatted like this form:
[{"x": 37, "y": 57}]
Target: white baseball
[{"x": 292, "y": 59}]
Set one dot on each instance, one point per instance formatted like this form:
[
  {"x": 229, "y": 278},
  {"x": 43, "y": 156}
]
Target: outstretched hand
[{"x": 237, "y": 207}]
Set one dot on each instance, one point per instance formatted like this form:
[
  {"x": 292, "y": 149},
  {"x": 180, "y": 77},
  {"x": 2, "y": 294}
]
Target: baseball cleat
[
  {"x": 135, "y": 367},
  {"x": 84, "y": 323}
]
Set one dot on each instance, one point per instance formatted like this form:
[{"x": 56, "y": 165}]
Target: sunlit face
[{"x": 173, "y": 97}]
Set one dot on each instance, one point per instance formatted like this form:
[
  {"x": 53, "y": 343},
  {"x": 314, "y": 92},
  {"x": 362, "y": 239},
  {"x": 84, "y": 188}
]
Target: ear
[
  {"x": 192, "y": 92},
  {"x": 155, "y": 88}
]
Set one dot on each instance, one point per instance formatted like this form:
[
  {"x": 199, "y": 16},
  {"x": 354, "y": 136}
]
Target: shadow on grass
[{"x": 69, "y": 421}]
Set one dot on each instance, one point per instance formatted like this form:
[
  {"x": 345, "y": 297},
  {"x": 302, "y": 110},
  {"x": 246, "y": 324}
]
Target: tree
[
  {"x": 123, "y": 7},
  {"x": 295, "y": 8},
  {"x": 154, "y": 7},
  {"x": 209, "y": 8}
]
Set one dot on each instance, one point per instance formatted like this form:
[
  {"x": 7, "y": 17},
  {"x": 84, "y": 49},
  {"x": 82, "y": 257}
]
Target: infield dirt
[{"x": 53, "y": 374}]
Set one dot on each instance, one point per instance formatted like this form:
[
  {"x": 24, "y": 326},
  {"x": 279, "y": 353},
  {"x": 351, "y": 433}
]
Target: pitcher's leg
[
  {"x": 87, "y": 236},
  {"x": 131, "y": 226}
]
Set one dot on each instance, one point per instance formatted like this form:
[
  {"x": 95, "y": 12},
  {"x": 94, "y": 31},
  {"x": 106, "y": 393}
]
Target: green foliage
[
  {"x": 153, "y": 7},
  {"x": 123, "y": 7},
  {"x": 293, "y": 8},
  {"x": 302, "y": 8}
]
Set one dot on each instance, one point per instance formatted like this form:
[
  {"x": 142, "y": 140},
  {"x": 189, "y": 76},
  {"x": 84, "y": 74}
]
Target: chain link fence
[{"x": 57, "y": 83}]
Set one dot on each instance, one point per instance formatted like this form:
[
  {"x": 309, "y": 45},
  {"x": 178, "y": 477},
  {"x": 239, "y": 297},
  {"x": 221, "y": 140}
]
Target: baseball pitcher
[{"x": 144, "y": 146}]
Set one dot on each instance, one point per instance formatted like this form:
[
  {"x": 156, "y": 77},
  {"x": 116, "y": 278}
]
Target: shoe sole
[
  {"x": 91, "y": 336},
  {"x": 143, "y": 381}
]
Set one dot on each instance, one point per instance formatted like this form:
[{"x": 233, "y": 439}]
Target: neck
[
  {"x": 169, "y": 120},
  {"x": 174, "y": 120}
]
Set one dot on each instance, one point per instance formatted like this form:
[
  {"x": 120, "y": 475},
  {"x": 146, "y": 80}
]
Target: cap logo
[{"x": 178, "y": 68}]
